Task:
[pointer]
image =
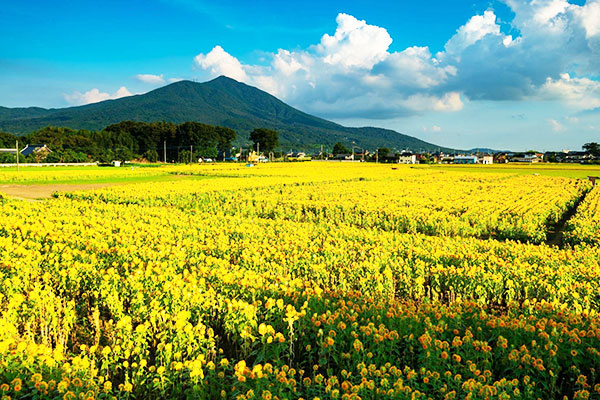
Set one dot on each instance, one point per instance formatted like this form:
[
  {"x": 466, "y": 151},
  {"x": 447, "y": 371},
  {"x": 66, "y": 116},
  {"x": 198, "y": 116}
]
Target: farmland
[{"x": 315, "y": 280}]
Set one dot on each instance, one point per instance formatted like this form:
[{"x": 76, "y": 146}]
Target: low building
[
  {"x": 466, "y": 160},
  {"x": 487, "y": 159},
  {"x": 343, "y": 157},
  {"x": 297, "y": 156},
  {"x": 407, "y": 158},
  {"x": 37, "y": 149},
  {"x": 528, "y": 158},
  {"x": 577, "y": 157}
]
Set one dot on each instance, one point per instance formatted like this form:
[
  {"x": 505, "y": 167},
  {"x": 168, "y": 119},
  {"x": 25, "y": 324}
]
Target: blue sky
[{"x": 504, "y": 74}]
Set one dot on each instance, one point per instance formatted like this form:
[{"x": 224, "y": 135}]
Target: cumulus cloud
[
  {"x": 151, "y": 79},
  {"x": 94, "y": 95},
  {"x": 352, "y": 72},
  {"x": 219, "y": 62},
  {"x": 473, "y": 31},
  {"x": 354, "y": 44},
  {"x": 579, "y": 93}
]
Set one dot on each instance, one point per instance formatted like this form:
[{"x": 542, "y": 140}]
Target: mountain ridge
[{"x": 221, "y": 101}]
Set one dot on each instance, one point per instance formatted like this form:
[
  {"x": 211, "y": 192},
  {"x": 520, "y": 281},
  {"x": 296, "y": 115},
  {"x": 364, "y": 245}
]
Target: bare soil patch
[{"x": 39, "y": 192}]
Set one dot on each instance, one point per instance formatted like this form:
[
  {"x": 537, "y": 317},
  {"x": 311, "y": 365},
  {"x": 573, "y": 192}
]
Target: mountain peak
[{"x": 222, "y": 101}]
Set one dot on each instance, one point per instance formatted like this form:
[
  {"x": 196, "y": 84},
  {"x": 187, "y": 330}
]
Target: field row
[
  {"x": 499, "y": 206},
  {"x": 584, "y": 227}
]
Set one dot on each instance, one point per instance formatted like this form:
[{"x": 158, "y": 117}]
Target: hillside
[{"x": 222, "y": 101}]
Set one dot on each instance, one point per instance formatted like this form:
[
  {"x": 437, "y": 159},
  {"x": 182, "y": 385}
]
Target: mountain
[{"x": 222, "y": 101}]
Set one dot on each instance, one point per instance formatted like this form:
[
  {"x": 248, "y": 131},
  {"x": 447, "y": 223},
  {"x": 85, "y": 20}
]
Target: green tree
[
  {"x": 151, "y": 155},
  {"x": 593, "y": 148},
  {"x": 9, "y": 158},
  {"x": 339, "y": 148},
  {"x": 267, "y": 138},
  {"x": 184, "y": 157},
  {"x": 383, "y": 151},
  {"x": 7, "y": 140},
  {"x": 123, "y": 153}
]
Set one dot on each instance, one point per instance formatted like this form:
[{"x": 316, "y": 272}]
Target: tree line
[{"x": 124, "y": 141}]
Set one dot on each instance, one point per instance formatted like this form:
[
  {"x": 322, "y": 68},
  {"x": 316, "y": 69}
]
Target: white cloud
[
  {"x": 436, "y": 128},
  {"x": 151, "y": 79},
  {"x": 351, "y": 73},
  {"x": 589, "y": 15},
  {"x": 219, "y": 62},
  {"x": 94, "y": 96},
  {"x": 556, "y": 126},
  {"x": 355, "y": 43},
  {"x": 173, "y": 80},
  {"x": 579, "y": 93},
  {"x": 476, "y": 29}
]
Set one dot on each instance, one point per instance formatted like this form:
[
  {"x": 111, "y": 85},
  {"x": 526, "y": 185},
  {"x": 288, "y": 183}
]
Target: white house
[
  {"x": 407, "y": 158},
  {"x": 487, "y": 159},
  {"x": 466, "y": 160}
]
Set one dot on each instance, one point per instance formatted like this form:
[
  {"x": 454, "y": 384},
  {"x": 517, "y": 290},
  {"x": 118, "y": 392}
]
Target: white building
[
  {"x": 407, "y": 158},
  {"x": 487, "y": 159},
  {"x": 466, "y": 160}
]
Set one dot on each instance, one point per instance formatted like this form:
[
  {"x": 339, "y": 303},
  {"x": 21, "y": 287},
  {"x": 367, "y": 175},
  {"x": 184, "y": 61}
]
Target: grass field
[{"x": 313, "y": 280}]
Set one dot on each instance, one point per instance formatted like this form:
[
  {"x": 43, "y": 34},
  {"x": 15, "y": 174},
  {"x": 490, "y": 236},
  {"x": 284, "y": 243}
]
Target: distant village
[
  {"x": 38, "y": 153},
  {"x": 407, "y": 157}
]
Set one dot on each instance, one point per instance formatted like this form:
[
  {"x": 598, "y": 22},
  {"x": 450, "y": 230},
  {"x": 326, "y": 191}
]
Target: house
[
  {"x": 37, "y": 149},
  {"x": 577, "y": 157},
  {"x": 254, "y": 157},
  {"x": 466, "y": 160},
  {"x": 361, "y": 155},
  {"x": 407, "y": 158},
  {"x": 528, "y": 158},
  {"x": 344, "y": 157},
  {"x": 500, "y": 158},
  {"x": 486, "y": 159},
  {"x": 297, "y": 156}
]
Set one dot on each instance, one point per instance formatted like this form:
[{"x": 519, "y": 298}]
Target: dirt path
[
  {"x": 39, "y": 192},
  {"x": 556, "y": 232}
]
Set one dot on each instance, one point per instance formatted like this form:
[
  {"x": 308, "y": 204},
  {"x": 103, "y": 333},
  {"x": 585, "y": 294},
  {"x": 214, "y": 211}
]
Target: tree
[
  {"x": 593, "y": 148},
  {"x": 267, "y": 138},
  {"x": 184, "y": 157},
  {"x": 383, "y": 151},
  {"x": 123, "y": 154},
  {"x": 9, "y": 158},
  {"x": 151, "y": 155},
  {"x": 225, "y": 136},
  {"x": 7, "y": 140},
  {"x": 339, "y": 148}
]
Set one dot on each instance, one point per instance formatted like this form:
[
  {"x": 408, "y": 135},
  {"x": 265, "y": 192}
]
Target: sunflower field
[{"x": 302, "y": 281}]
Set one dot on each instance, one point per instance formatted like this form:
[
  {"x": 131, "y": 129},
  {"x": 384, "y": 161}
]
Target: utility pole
[
  {"x": 257, "y": 151},
  {"x": 321, "y": 152},
  {"x": 17, "y": 154},
  {"x": 165, "y": 151},
  {"x": 191, "y": 152},
  {"x": 377, "y": 156}
]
